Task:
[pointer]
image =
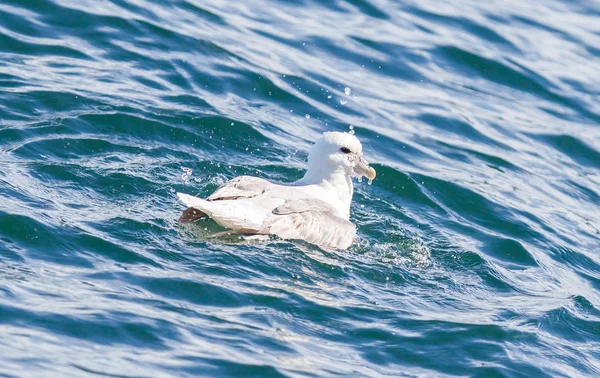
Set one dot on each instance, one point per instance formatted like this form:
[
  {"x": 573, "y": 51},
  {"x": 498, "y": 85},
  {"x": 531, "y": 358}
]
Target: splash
[{"x": 187, "y": 173}]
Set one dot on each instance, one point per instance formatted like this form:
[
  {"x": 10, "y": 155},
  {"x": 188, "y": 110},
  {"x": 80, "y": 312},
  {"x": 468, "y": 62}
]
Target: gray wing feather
[
  {"x": 313, "y": 221},
  {"x": 303, "y": 205},
  {"x": 240, "y": 187}
]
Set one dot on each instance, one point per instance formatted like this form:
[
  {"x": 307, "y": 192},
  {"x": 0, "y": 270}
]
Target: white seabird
[{"x": 315, "y": 208}]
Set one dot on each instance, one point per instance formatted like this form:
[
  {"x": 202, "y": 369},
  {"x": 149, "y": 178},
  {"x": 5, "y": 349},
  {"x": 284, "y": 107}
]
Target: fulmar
[{"x": 315, "y": 208}]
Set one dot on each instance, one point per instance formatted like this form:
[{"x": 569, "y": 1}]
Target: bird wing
[
  {"x": 240, "y": 187},
  {"x": 311, "y": 220}
]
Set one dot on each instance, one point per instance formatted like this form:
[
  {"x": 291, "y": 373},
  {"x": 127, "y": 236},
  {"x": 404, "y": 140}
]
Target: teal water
[{"x": 479, "y": 241}]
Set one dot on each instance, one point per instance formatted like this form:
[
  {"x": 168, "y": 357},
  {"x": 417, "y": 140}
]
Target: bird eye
[{"x": 345, "y": 150}]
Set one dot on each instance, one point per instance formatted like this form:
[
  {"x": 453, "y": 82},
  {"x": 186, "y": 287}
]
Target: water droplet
[
  {"x": 307, "y": 116},
  {"x": 187, "y": 172},
  {"x": 329, "y": 96},
  {"x": 370, "y": 181},
  {"x": 359, "y": 179},
  {"x": 343, "y": 102},
  {"x": 347, "y": 91}
]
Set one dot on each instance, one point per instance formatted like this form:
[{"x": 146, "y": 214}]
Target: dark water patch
[
  {"x": 466, "y": 354},
  {"x": 138, "y": 128},
  {"x": 191, "y": 101},
  {"x": 175, "y": 41},
  {"x": 197, "y": 10},
  {"x": 10, "y": 81},
  {"x": 111, "y": 251},
  {"x": 495, "y": 71},
  {"x": 199, "y": 293},
  {"x": 514, "y": 77},
  {"x": 365, "y": 7},
  {"x": 397, "y": 51},
  {"x": 150, "y": 83},
  {"x": 470, "y": 263},
  {"x": 222, "y": 367},
  {"x": 40, "y": 240},
  {"x": 495, "y": 162},
  {"x": 471, "y": 27},
  {"x": 321, "y": 89},
  {"x": 15, "y": 45},
  {"x": 20, "y": 22},
  {"x": 465, "y": 154},
  {"x": 476, "y": 208},
  {"x": 362, "y": 58},
  {"x": 66, "y": 149},
  {"x": 459, "y": 127},
  {"x": 583, "y": 262},
  {"x": 511, "y": 252},
  {"x": 404, "y": 186},
  {"x": 398, "y": 150},
  {"x": 574, "y": 148},
  {"x": 202, "y": 77},
  {"x": 45, "y": 102},
  {"x": 10, "y": 251},
  {"x": 255, "y": 86},
  {"x": 566, "y": 323},
  {"x": 196, "y": 133},
  {"x": 529, "y": 20},
  {"x": 94, "y": 327}
]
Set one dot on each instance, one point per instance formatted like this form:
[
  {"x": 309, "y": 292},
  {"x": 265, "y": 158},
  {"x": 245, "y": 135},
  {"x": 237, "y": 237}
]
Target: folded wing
[
  {"x": 311, "y": 220},
  {"x": 240, "y": 187}
]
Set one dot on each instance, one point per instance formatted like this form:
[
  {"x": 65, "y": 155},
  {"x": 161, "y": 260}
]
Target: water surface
[{"x": 478, "y": 250}]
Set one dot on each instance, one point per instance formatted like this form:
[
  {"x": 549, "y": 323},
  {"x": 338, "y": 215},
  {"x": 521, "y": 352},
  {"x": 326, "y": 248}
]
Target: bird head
[{"x": 341, "y": 150}]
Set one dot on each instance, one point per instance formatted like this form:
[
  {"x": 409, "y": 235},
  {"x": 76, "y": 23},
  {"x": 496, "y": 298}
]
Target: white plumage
[{"x": 315, "y": 208}]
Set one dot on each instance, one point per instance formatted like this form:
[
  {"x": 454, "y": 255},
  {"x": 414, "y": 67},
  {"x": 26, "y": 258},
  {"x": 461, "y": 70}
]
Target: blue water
[{"x": 479, "y": 241}]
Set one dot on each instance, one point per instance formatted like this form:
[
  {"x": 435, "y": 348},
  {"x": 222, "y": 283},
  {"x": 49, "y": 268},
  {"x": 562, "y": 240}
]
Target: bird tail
[
  {"x": 238, "y": 214},
  {"x": 197, "y": 208},
  {"x": 195, "y": 202}
]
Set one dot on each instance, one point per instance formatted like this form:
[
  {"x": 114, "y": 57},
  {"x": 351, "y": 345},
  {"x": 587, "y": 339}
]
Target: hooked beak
[{"x": 362, "y": 168}]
